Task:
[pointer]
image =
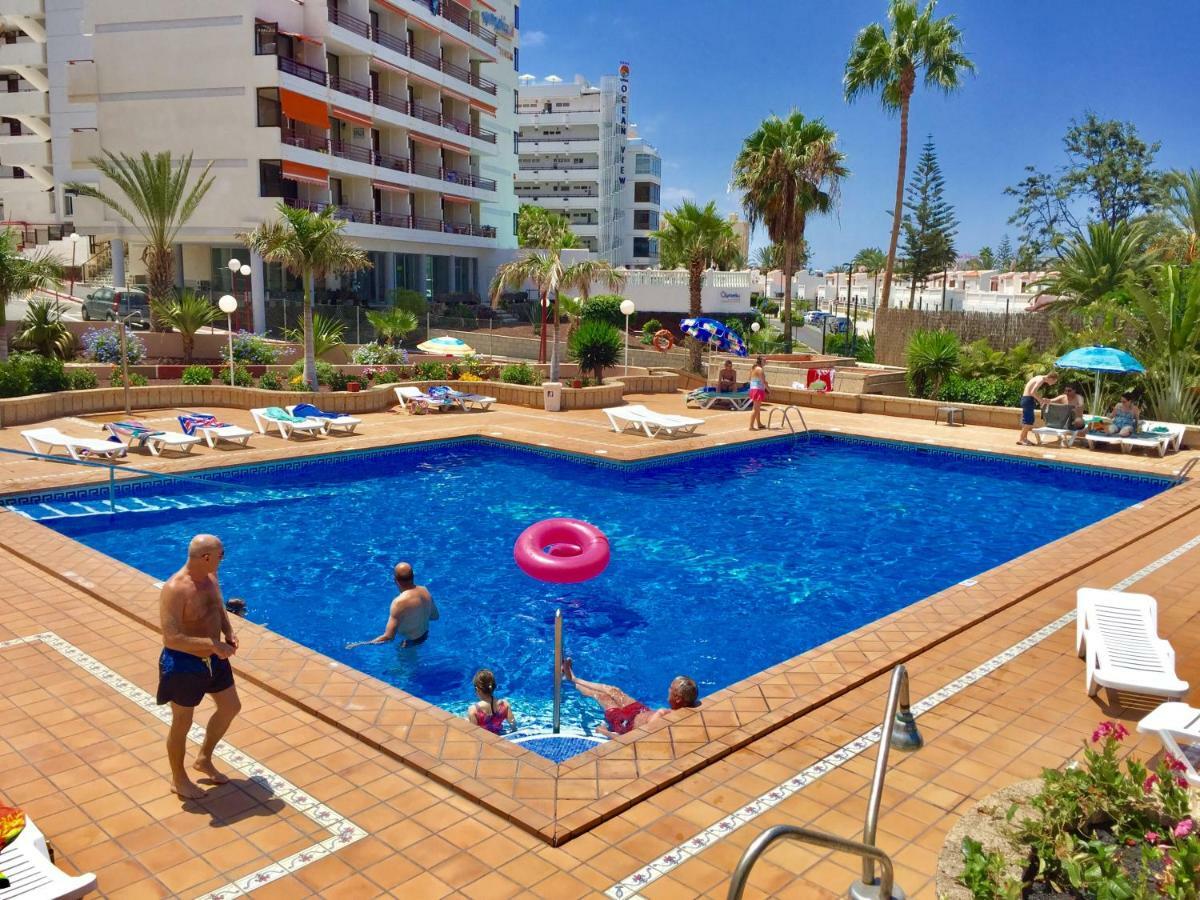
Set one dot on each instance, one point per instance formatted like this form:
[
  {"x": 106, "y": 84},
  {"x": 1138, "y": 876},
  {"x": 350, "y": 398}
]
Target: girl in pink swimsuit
[{"x": 489, "y": 712}]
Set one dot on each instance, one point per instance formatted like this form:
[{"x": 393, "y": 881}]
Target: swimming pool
[{"x": 724, "y": 563}]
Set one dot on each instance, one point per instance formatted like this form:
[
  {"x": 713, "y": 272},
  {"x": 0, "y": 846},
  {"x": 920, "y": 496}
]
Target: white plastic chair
[
  {"x": 1173, "y": 722},
  {"x": 78, "y": 448},
  {"x": 637, "y": 416},
  {"x": 1117, "y": 634},
  {"x": 32, "y": 876}
]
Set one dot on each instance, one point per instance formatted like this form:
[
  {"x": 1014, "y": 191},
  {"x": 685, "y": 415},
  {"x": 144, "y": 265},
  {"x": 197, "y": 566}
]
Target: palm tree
[
  {"x": 391, "y": 325},
  {"x": 695, "y": 237},
  {"x": 540, "y": 228},
  {"x": 187, "y": 314},
  {"x": 1182, "y": 208},
  {"x": 787, "y": 169},
  {"x": 43, "y": 332},
  {"x": 889, "y": 63},
  {"x": 871, "y": 260},
  {"x": 310, "y": 245},
  {"x": 154, "y": 197},
  {"x": 1106, "y": 261},
  {"x": 21, "y": 275},
  {"x": 545, "y": 270}
]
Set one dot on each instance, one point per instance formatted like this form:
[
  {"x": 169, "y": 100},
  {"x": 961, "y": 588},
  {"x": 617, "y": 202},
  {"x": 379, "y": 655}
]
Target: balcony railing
[
  {"x": 400, "y": 45},
  {"x": 556, "y": 138},
  {"x": 526, "y": 165},
  {"x": 550, "y": 195},
  {"x": 366, "y": 155},
  {"x": 366, "y": 92},
  {"x": 395, "y": 220}
]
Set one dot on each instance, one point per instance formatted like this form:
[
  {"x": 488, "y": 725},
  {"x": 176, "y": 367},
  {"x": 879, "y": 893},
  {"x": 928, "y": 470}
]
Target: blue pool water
[{"x": 723, "y": 564}]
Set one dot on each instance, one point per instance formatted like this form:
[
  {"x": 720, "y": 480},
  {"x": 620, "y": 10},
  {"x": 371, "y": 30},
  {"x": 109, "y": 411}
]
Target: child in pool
[{"x": 489, "y": 712}]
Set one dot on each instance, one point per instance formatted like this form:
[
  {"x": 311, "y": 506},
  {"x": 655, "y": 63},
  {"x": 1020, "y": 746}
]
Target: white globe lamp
[
  {"x": 627, "y": 310},
  {"x": 228, "y": 305}
]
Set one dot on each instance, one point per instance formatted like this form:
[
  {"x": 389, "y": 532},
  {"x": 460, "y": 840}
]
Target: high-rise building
[
  {"x": 397, "y": 112},
  {"x": 579, "y": 156},
  {"x": 741, "y": 228}
]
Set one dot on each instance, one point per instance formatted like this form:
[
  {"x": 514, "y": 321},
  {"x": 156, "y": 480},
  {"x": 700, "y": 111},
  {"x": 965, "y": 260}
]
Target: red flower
[
  {"x": 1152, "y": 837},
  {"x": 1175, "y": 764},
  {"x": 1149, "y": 783}
]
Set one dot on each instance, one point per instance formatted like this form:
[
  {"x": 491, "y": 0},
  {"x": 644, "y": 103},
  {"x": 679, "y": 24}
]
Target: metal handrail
[
  {"x": 558, "y": 663},
  {"x": 737, "y": 884},
  {"x": 1185, "y": 469},
  {"x": 787, "y": 421}
]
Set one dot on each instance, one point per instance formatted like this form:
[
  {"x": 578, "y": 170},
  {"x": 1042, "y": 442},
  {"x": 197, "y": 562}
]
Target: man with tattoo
[{"x": 197, "y": 643}]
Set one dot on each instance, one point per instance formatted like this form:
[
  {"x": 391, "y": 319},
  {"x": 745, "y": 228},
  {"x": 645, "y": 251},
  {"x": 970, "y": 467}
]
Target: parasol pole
[{"x": 1096, "y": 411}]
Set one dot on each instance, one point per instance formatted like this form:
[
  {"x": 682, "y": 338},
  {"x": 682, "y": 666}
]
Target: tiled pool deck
[{"x": 430, "y": 807}]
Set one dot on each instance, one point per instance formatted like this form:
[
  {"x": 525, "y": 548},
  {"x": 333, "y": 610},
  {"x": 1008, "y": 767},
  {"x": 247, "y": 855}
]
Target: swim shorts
[{"x": 185, "y": 679}]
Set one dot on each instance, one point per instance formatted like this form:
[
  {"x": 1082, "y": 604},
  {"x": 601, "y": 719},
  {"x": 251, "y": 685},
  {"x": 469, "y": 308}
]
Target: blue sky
[{"x": 704, "y": 73}]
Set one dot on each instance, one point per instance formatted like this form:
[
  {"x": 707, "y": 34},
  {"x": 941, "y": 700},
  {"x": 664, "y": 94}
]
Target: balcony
[
  {"x": 552, "y": 195},
  {"x": 24, "y": 103},
  {"x": 365, "y": 92},
  {"x": 535, "y": 165},
  {"x": 23, "y": 53},
  {"x": 404, "y": 48},
  {"x": 34, "y": 9},
  {"x": 393, "y": 220},
  {"x": 557, "y": 139},
  {"x": 461, "y": 17},
  {"x": 370, "y": 157},
  {"x": 26, "y": 155}
]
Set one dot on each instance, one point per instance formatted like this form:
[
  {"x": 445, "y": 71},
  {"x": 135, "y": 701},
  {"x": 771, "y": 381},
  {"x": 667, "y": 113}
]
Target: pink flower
[
  {"x": 1184, "y": 828},
  {"x": 1175, "y": 764},
  {"x": 1120, "y": 732},
  {"x": 1102, "y": 732},
  {"x": 1152, "y": 837},
  {"x": 1149, "y": 783},
  {"x": 1182, "y": 782}
]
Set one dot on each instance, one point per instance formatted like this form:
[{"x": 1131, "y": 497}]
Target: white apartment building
[
  {"x": 988, "y": 290},
  {"x": 580, "y": 157},
  {"x": 397, "y": 112}
]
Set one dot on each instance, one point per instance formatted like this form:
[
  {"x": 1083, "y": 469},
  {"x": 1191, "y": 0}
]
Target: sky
[{"x": 704, "y": 73}]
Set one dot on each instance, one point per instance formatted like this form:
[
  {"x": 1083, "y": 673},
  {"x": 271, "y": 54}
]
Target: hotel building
[
  {"x": 580, "y": 157},
  {"x": 400, "y": 113}
]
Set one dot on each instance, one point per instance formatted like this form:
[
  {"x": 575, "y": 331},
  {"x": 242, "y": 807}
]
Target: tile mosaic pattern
[
  {"x": 342, "y": 832},
  {"x": 632, "y": 884}
]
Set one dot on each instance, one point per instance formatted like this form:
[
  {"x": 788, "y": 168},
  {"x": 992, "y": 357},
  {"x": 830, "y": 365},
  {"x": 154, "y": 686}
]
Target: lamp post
[
  {"x": 124, "y": 321},
  {"x": 74, "y": 239},
  {"x": 627, "y": 310},
  {"x": 245, "y": 270},
  {"x": 235, "y": 266},
  {"x": 228, "y": 305}
]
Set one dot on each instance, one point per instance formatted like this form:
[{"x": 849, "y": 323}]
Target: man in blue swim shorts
[
  {"x": 1030, "y": 401},
  {"x": 197, "y": 643}
]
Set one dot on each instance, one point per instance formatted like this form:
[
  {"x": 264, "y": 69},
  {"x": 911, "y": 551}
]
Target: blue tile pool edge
[{"x": 228, "y": 474}]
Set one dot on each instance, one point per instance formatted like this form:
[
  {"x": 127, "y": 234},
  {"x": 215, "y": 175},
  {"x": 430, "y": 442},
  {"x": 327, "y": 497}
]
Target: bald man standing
[
  {"x": 197, "y": 643},
  {"x": 411, "y": 612}
]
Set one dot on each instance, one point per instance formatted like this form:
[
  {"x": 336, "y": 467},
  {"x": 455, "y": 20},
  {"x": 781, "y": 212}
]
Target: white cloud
[
  {"x": 671, "y": 196},
  {"x": 533, "y": 38}
]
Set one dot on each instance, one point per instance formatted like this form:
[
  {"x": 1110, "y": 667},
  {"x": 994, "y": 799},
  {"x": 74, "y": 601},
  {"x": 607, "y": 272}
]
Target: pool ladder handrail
[
  {"x": 867, "y": 852},
  {"x": 112, "y": 472},
  {"x": 785, "y": 419},
  {"x": 1185, "y": 469}
]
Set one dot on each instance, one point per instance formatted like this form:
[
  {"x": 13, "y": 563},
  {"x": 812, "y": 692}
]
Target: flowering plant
[{"x": 104, "y": 345}]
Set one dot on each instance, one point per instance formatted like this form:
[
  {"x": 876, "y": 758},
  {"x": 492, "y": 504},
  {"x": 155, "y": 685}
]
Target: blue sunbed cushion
[{"x": 308, "y": 411}]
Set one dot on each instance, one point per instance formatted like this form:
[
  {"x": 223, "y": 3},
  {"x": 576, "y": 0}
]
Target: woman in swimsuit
[
  {"x": 1125, "y": 416},
  {"x": 489, "y": 712},
  {"x": 622, "y": 713},
  {"x": 758, "y": 393}
]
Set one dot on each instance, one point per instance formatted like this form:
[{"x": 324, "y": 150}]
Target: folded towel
[
  {"x": 1160, "y": 429},
  {"x": 278, "y": 414}
]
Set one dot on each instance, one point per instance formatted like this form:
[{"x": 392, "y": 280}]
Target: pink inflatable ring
[{"x": 563, "y": 551}]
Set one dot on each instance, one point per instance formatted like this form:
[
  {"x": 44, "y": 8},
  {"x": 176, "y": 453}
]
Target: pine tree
[
  {"x": 929, "y": 223},
  {"x": 1004, "y": 254}
]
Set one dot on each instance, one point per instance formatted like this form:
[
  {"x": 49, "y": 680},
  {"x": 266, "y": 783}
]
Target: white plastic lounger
[
  {"x": 289, "y": 426},
  {"x": 637, "y": 416},
  {"x": 31, "y": 874},
  {"x": 1057, "y": 417},
  {"x": 1175, "y": 722},
  {"x": 78, "y": 448},
  {"x": 1117, "y": 634},
  {"x": 1096, "y": 439},
  {"x": 471, "y": 401},
  {"x": 415, "y": 400},
  {"x": 213, "y": 431},
  {"x": 345, "y": 424},
  {"x": 139, "y": 435},
  {"x": 1149, "y": 437}
]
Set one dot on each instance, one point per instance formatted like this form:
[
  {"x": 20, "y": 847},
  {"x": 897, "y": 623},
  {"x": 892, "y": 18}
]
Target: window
[
  {"x": 645, "y": 192},
  {"x": 68, "y": 204},
  {"x": 645, "y": 164},
  {"x": 515, "y": 217},
  {"x": 645, "y": 220},
  {"x": 271, "y": 182},
  {"x": 641, "y": 246},
  {"x": 266, "y": 38},
  {"x": 516, "y": 17},
  {"x": 516, "y": 59},
  {"x": 269, "y": 115}
]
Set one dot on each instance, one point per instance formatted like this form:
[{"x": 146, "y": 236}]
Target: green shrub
[
  {"x": 196, "y": 375},
  {"x": 410, "y": 301},
  {"x": 840, "y": 345},
  {"x": 270, "y": 382},
  {"x": 931, "y": 356},
  {"x": 251, "y": 350},
  {"x": 379, "y": 355},
  {"x": 324, "y": 372},
  {"x": 44, "y": 374},
  {"x": 13, "y": 381},
  {"x": 737, "y": 326},
  {"x": 135, "y": 380},
  {"x": 241, "y": 376},
  {"x": 595, "y": 345},
  {"x": 339, "y": 379},
  {"x": 604, "y": 308},
  {"x": 82, "y": 379},
  {"x": 520, "y": 373},
  {"x": 391, "y": 376},
  {"x": 769, "y": 307},
  {"x": 430, "y": 371},
  {"x": 991, "y": 390}
]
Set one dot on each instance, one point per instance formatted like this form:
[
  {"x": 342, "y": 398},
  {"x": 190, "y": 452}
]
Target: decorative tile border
[
  {"x": 342, "y": 832},
  {"x": 637, "y": 881}
]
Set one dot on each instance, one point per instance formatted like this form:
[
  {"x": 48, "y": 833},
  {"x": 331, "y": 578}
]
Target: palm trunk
[
  {"x": 875, "y": 290},
  {"x": 542, "y": 330},
  {"x": 902, "y": 165},
  {"x": 160, "y": 275},
  {"x": 310, "y": 356},
  {"x": 788, "y": 269},
  {"x": 4, "y": 328},
  {"x": 189, "y": 341},
  {"x": 554, "y": 343},
  {"x": 695, "y": 282}
]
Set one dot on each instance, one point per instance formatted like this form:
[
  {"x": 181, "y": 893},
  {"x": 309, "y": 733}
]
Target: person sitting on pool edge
[
  {"x": 411, "y": 612},
  {"x": 622, "y": 712}
]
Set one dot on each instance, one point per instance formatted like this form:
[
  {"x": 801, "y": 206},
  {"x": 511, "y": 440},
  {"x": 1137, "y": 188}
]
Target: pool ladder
[
  {"x": 1185, "y": 470},
  {"x": 785, "y": 419}
]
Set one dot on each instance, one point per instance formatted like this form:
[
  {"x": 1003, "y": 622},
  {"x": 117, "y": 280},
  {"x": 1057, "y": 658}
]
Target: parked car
[
  {"x": 108, "y": 303},
  {"x": 814, "y": 316},
  {"x": 837, "y": 324}
]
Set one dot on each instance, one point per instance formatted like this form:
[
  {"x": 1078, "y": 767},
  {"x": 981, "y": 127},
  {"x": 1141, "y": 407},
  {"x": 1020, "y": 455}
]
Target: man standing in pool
[
  {"x": 197, "y": 643},
  {"x": 411, "y": 612},
  {"x": 621, "y": 712}
]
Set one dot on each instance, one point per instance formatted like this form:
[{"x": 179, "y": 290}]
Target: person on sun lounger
[
  {"x": 1073, "y": 398},
  {"x": 727, "y": 378},
  {"x": 622, "y": 712},
  {"x": 1125, "y": 416}
]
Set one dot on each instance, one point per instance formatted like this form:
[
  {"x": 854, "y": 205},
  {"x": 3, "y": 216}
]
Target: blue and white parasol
[{"x": 714, "y": 334}]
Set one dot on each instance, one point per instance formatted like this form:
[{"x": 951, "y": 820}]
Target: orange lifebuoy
[{"x": 663, "y": 340}]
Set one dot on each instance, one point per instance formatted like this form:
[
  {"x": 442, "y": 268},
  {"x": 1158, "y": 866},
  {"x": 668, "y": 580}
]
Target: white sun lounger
[
  {"x": 78, "y": 448},
  {"x": 471, "y": 401},
  {"x": 1149, "y": 439},
  {"x": 1117, "y": 634},
  {"x": 154, "y": 441},
  {"x": 1097, "y": 439},
  {"x": 1057, "y": 415},
  {"x": 414, "y": 399},
  {"x": 287, "y": 428},
  {"x": 213, "y": 434},
  {"x": 638, "y": 417},
  {"x": 345, "y": 424},
  {"x": 1173, "y": 723},
  {"x": 26, "y": 863}
]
